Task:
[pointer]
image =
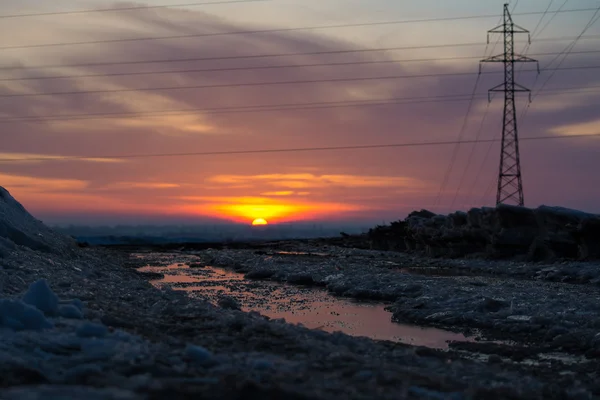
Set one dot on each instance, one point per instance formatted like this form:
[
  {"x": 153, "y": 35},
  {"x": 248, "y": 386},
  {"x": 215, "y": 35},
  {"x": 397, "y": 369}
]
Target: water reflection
[{"x": 313, "y": 308}]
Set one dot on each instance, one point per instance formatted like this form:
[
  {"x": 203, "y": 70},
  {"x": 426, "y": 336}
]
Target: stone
[
  {"x": 493, "y": 305},
  {"x": 300, "y": 279},
  {"x": 260, "y": 274},
  {"x": 229, "y": 303}
]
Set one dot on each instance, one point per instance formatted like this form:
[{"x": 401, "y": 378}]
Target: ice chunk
[
  {"x": 198, "y": 355},
  {"x": 70, "y": 311},
  {"x": 89, "y": 329},
  {"x": 42, "y": 297},
  {"x": 16, "y": 315}
]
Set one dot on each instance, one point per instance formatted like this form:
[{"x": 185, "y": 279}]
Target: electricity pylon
[{"x": 510, "y": 183}]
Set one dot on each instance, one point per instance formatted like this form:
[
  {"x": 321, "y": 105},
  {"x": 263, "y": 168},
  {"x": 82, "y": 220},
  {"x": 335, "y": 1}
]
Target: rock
[
  {"x": 566, "y": 340},
  {"x": 229, "y": 303},
  {"x": 260, "y": 274},
  {"x": 22, "y": 229},
  {"x": 42, "y": 297},
  {"x": 110, "y": 320},
  {"x": 519, "y": 318},
  {"x": 17, "y": 373},
  {"x": 492, "y": 305},
  {"x": 554, "y": 332},
  {"x": 199, "y": 355},
  {"x": 595, "y": 343},
  {"x": 300, "y": 279},
  {"x": 364, "y": 375},
  {"x": 494, "y": 359}
]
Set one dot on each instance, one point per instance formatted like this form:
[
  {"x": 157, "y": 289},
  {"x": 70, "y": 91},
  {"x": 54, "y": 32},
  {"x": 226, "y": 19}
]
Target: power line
[
  {"x": 554, "y": 14},
  {"x": 274, "y": 83},
  {"x": 462, "y": 131},
  {"x": 480, "y": 169},
  {"x": 266, "y": 67},
  {"x": 533, "y": 33},
  {"x": 253, "y": 56},
  {"x": 471, "y": 153},
  {"x": 103, "y": 10},
  {"x": 276, "y": 30},
  {"x": 270, "y": 108},
  {"x": 487, "y": 108},
  {"x": 289, "y": 150},
  {"x": 457, "y": 146},
  {"x": 242, "y": 109},
  {"x": 569, "y": 48}
]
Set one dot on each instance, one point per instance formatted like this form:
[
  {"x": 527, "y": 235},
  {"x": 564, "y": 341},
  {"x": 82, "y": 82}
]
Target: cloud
[
  {"x": 250, "y": 208},
  {"x": 41, "y": 158},
  {"x": 363, "y": 179},
  {"x": 582, "y": 128},
  {"x": 282, "y": 193},
  {"x": 40, "y": 185},
  {"x": 143, "y": 185},
  {"x": 297, "y": 181}
]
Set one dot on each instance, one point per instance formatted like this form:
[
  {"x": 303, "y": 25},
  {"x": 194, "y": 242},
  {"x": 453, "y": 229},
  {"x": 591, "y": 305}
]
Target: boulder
[{"x": 20, "y": 228}]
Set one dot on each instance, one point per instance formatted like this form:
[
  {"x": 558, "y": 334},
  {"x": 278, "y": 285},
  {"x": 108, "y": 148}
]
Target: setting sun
[{"x": 260, "y": 221}]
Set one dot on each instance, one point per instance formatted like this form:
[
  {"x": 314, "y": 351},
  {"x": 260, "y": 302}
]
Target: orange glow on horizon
[{"x": 244, "y": 209}]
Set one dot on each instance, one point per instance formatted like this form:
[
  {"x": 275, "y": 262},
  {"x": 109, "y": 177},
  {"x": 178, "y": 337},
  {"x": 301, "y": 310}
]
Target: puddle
[{"x": 312, "y": 307}]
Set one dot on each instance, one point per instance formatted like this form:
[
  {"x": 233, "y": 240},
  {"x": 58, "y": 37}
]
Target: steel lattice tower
[{"x": 510, "y": 184}]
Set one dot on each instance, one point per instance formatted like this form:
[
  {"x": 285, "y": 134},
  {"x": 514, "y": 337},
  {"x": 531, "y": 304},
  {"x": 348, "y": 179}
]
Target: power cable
[
  {"x": 480, "y": 169},
  {"x": 470, "y": 158},
  {"x": 567, "y": 50},
  {"x": 274, "y": 83},
  {"x": 266, "y": 67},
  {"x": 136, "y": 8},
  {"x": 274, "y": 107},
  {"x": 478, "y": 135},
  {"x": 253, "y": 56},
  {"x": 276, "y": 30},
  {"x": 289, "y": 150}
]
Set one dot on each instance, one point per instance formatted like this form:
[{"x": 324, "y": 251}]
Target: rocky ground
[
  {"x": 136, "y": 342},
  {"x": 107, "y": 333}
]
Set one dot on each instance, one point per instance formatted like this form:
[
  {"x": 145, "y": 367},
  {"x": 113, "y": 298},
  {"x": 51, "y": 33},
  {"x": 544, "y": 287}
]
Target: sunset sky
[{"x": 350, "y": 185}]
